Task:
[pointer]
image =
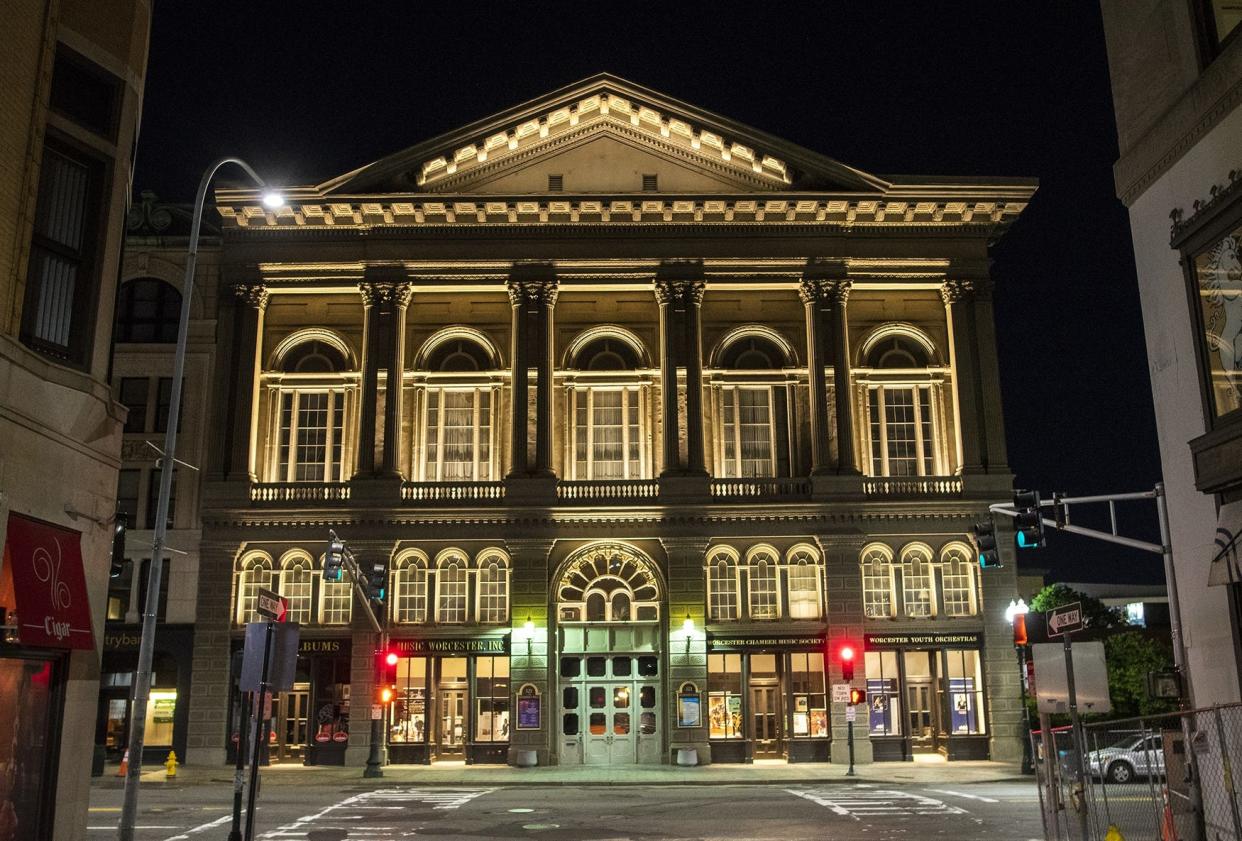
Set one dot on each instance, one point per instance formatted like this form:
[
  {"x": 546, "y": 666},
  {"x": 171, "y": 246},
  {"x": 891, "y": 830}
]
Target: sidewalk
[{"x": 454, "y": 774}]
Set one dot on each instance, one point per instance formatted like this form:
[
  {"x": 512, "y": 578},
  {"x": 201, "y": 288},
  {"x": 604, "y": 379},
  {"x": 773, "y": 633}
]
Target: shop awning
[
  {"x": 49, "y": 586},
  {"x": 1227, "y": 561}
]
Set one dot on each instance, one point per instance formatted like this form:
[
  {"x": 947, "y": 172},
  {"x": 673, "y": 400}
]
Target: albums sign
[{"x": 49, "y": 585}]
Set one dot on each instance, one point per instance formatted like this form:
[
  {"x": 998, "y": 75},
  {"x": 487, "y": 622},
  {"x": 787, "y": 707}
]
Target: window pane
[
  {"x": 965, "y": 692},
  {"x": 755, "y": 431},
  {"x": 764, "y": 600},
  {"x": 493, "y": 592},
  {"x": 804, "y": 589},
  {"x": 133, "y": 394},
  {"x": 916, "y": 580},
  {"x": 451, "y": 593},
  {"x": 958, "y": 582},
  {"x": 877, "y": 580},
  {"x": 1220, "y": 299},
  {"x": 900, "y": 430},
  {"x": 648, "y": 666},
  {"x": 571, "y": 666},
  {"x": 295, "y": 586},
  {"x": 883, "y": 695},
  {"x": 607, "y": 447},
  {"x": 410, "y": 585},
  {"x": 722, "y": 587}
]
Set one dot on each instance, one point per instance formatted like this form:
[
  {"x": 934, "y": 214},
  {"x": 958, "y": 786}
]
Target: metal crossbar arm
[
  {"x": 363, "y": 595},
  {"x": 1007, "y": 510}
]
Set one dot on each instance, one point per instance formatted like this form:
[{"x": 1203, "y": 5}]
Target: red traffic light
[
  {"x": 847, "y": 654},
  {"x": 392, "y": 658}
]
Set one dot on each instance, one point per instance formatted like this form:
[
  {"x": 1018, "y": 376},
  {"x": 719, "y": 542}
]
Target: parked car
[{"x": 1133, "y": 757}]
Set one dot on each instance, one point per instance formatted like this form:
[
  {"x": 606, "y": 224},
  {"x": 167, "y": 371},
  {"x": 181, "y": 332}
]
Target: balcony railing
[
  {"x": 761, "y": 488},
  {"x": 573, "y": 492},
  {"x": 299, "y": 492},
  {"x": 452, "y": 493},
  {"x": 912, "y": 485}
]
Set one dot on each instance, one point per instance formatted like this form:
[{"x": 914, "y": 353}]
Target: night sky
[{"x": 310, "y": 90}]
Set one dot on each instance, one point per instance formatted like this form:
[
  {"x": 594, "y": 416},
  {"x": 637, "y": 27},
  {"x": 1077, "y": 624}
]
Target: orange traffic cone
[
  {"x": 124, "y": 769},
  {"x": 1168, "y": 829}
]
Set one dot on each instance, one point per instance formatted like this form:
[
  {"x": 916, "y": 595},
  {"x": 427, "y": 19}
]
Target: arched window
[
  {"x": 309, "y": 403},
  {"x": 752, "y": 399},
  {"x": 452, "y": 587},
  {"x": 296, "y": 586},
  {"x": 147, "y": 310},
  {"x": 493, "y": 589},
  {"x": 336, "y": 600},
  {"x": 722, "y": 585},
  {"x": 805, "y": 574},
  {"x": 763, "y": 575},
  {"x": 254, "y": 571},
  {"x": 409, "y": 586},
  {"x": 607, "y": 410},
  {"x": 904, "y": 404},
  {"x": 957, "y": 575},
  {"x": 456, "y": 433},
  {"x": 917, "y": 584},
  {"x": 877, "y": 581},
  {"x": 608, "y": 582}
]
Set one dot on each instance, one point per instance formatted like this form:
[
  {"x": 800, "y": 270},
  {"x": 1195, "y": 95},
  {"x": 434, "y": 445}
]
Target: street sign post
[
  {"x": 840, "y": 693},
  {"x": 1065, "y": 620}
]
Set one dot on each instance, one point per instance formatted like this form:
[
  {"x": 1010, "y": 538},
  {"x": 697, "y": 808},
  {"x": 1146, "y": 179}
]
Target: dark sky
[{"x": 308, "y": 90}]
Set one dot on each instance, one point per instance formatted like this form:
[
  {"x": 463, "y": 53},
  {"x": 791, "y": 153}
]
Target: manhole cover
[{"x": 541, "y": 826}]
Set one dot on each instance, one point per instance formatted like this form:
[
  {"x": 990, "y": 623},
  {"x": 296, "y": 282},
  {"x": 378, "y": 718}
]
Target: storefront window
[
  {"x": 491, "y": 692},
  {"x": 883, "y": 693},
  {"x": 965, "y": 693},
  {"x": 409, "y": 710},
  {"x": 806, "y": 685},
  {"x": 160, "y": 717},
  {"x": 1218, "y": 272},
  {"x": 724, "y": 695},
  {"x": 27, "y": 691}
]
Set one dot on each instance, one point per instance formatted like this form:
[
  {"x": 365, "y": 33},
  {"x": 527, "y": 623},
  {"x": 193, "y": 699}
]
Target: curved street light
[{"x": 146, "y": 649}]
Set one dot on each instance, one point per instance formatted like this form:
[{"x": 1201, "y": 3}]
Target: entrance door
[
  {"x": 765, "y": 716},
  {"x": 452, "y": 736},
  {"x": 290, "y": 735},
  {"x": 610, "y": 736},
  {"x": 921, "y": 712}
]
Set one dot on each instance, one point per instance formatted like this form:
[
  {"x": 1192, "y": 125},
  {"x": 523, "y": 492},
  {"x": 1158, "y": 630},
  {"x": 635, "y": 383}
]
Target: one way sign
[
  {"x": 270, "y": 605},
  {"x": 1065, "y": 619}
]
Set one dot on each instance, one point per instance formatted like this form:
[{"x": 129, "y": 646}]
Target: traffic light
[
  {"x": 377, "y": 582},
  {"x": 118, "y": 545},
  {"x": 847, "y": 655},
  {"x": 1028, "y": 524},
  {"x": 984, "y": 537},
  {"x": 857, "y": 696},
  {"x": 334, "y": 559},
  {"x": 386, "y": 683}
]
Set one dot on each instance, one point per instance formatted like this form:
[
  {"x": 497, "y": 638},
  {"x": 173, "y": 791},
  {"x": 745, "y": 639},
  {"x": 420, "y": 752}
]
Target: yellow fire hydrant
[{"x": 171, "y": 764}]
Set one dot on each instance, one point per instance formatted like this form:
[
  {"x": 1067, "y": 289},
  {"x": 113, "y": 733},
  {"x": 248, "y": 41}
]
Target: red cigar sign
[{"x": 53, "y": 610}]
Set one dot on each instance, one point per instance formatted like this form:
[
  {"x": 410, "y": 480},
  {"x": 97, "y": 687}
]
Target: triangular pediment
[{"x": 603, "y": 135}]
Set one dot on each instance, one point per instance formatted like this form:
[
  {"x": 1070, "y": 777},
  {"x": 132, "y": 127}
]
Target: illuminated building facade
[{"x": 645, "y": 413}]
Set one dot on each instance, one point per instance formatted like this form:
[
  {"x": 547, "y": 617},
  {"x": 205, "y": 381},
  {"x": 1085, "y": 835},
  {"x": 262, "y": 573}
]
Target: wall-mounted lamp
[
  {"x": 528, "y": 630},
  {"x": 688, "y": 628}
]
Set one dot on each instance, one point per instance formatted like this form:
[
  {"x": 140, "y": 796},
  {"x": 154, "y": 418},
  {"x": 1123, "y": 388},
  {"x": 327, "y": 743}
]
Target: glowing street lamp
[{"x": 1015, "y": 615}]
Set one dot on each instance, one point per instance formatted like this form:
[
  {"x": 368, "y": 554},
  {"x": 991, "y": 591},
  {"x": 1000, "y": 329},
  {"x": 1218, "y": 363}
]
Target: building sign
[
  {"x": 312, "y": 646},
  {"x": 529, "y": 707},
  {"x": 960, "y": 639},
  {"x": 466, "y": 645},
  {"x": 740, "y": 642},
  {"x": 50, "y": 589}
]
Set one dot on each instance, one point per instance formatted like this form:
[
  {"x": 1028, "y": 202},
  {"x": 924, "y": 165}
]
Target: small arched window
[
  {"x": 805, "y": 573},
  {"x": 763, "y": 576},
  {"x": 877, "y": 581},
  {"x": 409, "y": 585},
  {"x": 722, "y": 585},
  {"x": 917, "y": 584},
  {"x": 296, "y": 586},
  {"x": 147, "y": 310},
  {"x": 253, "y": 572},
  {"x": 957, "y": 575},
  {"x": 493, "y": 589},
  {"x": 452, "y": 587}
]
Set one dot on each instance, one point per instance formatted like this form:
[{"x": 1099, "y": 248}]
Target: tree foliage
[{"x": 1130, "y": 656}]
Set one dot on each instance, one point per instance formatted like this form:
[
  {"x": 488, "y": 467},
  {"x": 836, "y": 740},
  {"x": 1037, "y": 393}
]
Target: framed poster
[
  {"x": 529, "y": 708},
  {"x": 689, "y": 712}
]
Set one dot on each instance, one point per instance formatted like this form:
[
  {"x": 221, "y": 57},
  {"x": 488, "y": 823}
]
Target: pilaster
[
  {"x": 532, "y": 650},
  {"x": 368, "y": 395},
  {"x": 207, "y": 725},
  {"x": 252, "y": 300},
  {"x": 846, "y": 624},
  {"x": 958, "y": 297},
  {"x": 687, "y": 636}
]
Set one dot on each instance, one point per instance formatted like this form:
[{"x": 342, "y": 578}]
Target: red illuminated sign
[{"x": 53, "y": 610}]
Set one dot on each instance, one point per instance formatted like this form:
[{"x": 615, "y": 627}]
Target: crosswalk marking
[
  {"x": 371, "y": 814},
  {"x": 859, "y": 803}
]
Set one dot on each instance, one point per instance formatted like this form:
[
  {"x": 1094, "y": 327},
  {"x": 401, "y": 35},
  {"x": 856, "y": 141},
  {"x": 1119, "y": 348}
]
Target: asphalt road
[{"x": 961, "y": 812}]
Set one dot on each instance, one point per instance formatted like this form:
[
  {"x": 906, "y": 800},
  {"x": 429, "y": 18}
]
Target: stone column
[
  {"x": 368, "y": 395},
  {"x": 958, "y": 297},
  {"x": 995, "y": 454},
  {"x": 244, "y": 391},
  {"x": 207, "y": 728},
  {"x": 687, "y": 652},
  {"x": 846, "y": 624},
  {"x": 691, "y": 304},
  {"x": 532, "y": 653},
  {"x": 815, "y": 303},
  {"x": 665, "y": 295},
  {"x": 1000, "y": 662},
  {"x": 396, "y": 298},
  {"x": 519, "y": 437},
  {"x": 838, "y": 293},
  {"x": 545, "y": 297}
]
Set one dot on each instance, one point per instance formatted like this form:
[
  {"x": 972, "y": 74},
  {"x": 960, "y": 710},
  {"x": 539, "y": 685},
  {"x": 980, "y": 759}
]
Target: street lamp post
[
  {"x": 146, "y": 648},
  {"x": 1015, "y": 615}
]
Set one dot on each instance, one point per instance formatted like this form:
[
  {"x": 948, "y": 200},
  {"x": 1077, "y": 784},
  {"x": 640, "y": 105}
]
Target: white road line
[
  {"x": 964, "y": 794},
  {"x": 858, "y": 804},
  {"x": 209, "y": 825}
]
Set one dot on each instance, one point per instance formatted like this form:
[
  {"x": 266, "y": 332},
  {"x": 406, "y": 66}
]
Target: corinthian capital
[
  {"x": 813, "y": 289},
  {"x": 680, "y": 293},
  {"x": 533, "y": 292},
  {"x": 957, "y": 291},
  {"x": 252, "y": 294}
]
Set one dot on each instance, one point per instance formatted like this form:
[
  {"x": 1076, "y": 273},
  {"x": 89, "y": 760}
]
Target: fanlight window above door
[{"x": 608, "y": 583}]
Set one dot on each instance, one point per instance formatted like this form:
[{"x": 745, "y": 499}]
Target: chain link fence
[{"x": 1158, "y": 778}]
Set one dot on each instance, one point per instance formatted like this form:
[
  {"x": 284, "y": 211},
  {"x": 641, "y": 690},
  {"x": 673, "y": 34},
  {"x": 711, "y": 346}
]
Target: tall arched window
[
  {"x": 409, "y": 587},
  {"x": 297, "y": 579},
  {"x": 917, "y": 584},
  {"x": 957, "y": 575},
  {"x": 607, "y": 410},
  {"x": 877, "y": 581},
  {"x": 608, "y": 582},
  {"x": 762, "y": 578},
  {"x": 493, "y": 587},
  {"x": 309, "y": 397},
  {"x": 452, "y": 587},
  {"x": 456, "y": 430},
  {"x": 805, "y": 573},
  {"x": 254, "y": 571},
  {"x": 336, "y": 600},
  {"x": 722, "y": 585},
  {"x": 905, "y": 415},
  {"x": 752, "y": 399},
  {"x": 147, "y": 310}
]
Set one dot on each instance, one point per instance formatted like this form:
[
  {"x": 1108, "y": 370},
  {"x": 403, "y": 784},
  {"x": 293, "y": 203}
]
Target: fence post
[{"x": 1227, "y": 768}]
